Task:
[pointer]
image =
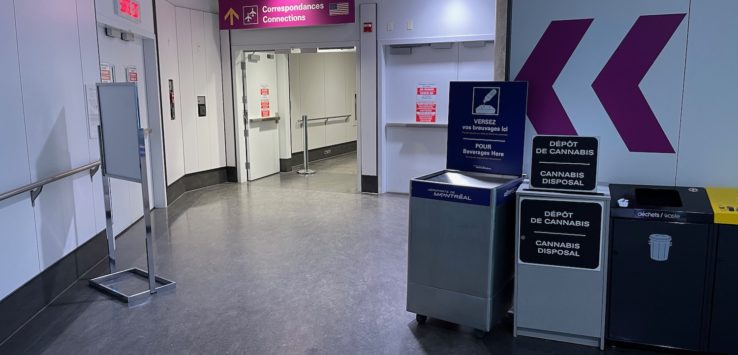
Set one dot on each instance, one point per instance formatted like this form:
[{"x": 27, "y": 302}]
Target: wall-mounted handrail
[
  {"x": 36, "y": 187},
  {"x": 345, "y": 117}
]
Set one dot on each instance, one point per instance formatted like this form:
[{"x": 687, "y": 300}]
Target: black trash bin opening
[{"x": 658, "y": 197}]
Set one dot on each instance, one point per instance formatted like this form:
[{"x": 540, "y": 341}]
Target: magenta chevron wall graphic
[
  {"x": 541, "y": 70},
  {"x": 616, "y": 86},
  {"x": 654, "y": 81}
]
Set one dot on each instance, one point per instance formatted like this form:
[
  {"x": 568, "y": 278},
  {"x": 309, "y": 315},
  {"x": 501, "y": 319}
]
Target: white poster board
[{"x": 119, "y": 122}]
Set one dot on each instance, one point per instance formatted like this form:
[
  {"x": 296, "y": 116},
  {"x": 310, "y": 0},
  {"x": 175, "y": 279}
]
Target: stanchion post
[
  {"x": 108, "y": 206},
  {"x": 305, "y": 159},
  {"x": 150, "y": 261}
]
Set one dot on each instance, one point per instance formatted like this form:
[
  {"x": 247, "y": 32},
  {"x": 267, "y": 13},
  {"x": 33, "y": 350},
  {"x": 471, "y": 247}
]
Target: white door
[{"x": 262, "y": 139}]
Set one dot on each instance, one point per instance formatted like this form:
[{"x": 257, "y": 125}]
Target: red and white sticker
[
  {"x": 265, "y": 103},
  {"x": 131, "y": 74},
  {"x": 106, "y": 73},
  {"x": 425, "y": 103}
]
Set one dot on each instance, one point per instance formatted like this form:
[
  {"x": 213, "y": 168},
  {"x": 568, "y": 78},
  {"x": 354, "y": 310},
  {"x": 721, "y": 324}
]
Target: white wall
[
  {"x": 283, "y": 91},
  {"x": 412, "y": 151},
  {"x": 370, "y": 144},
  {"x": 190, "y": 54},
  {"x": 45, "y": 132},
  {"x": 169, "y": 69},
  {"x": 422, "y": 21},
  {"x": 202, "y": 5},
  {"x": 323, "y": 85},
  {"x": 710, "y": 109},
  {"x": 228, "y": 97},
  {"x": 18, "y": 243}
]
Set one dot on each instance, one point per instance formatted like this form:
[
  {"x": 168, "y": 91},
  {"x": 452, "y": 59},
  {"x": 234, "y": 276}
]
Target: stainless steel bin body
[{"x": 460, "y": 264}]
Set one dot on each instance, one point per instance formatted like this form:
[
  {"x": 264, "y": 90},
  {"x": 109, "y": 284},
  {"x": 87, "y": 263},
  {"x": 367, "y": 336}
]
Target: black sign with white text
[
  {"x": 564, "y": 163},
  {"x": 560, "y": 233}
]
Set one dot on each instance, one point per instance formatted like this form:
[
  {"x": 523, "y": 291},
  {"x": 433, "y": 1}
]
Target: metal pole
[
  {"x": 305, "y": 160},
  {"x": 150, "y": 262},
  {"x": 108, "y": 205}
]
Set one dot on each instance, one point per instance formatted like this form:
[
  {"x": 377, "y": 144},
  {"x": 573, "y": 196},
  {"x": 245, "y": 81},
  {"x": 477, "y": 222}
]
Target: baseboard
[
  {"x": 369, "y": 183},
  {"x": 199, "y": 180},
  {"x": 285, "y": 165},
  {"x": 24, "y": 303},
  {"x": 323, "y": 153},
  {"x": 231, "y": 174}
]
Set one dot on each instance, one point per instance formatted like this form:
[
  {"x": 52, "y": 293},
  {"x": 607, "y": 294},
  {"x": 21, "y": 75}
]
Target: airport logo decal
[{"x": 616, "y": 86}]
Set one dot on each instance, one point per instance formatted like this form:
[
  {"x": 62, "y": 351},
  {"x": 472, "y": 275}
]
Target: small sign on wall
[
  {"x": 131, "y": 74},
  {"x": 425, "y": 102},
  {"x": 107, "y": 73}
]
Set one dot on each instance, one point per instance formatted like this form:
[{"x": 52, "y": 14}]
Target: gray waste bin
[
  {"x": 561, "y": 267},
  {"x": 460, "y": 264}
]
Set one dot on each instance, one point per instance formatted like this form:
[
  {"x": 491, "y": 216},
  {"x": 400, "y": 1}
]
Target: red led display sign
[{"x": 129, "y": 9}]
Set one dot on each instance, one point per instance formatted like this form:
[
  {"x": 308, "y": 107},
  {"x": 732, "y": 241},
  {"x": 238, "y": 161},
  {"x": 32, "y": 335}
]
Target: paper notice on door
[
  {"x": 265, "y": 106},
  {"x": 425, "y": 102}
]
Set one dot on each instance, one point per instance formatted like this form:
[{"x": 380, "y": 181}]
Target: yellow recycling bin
[{"x": 724, "y": 320}]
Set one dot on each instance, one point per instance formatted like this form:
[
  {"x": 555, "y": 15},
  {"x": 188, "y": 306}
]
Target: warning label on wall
[
  {"x": 106, "y": 73},
  {"x": 425, "y": 102},
  {"x": 131, "y": 74}
]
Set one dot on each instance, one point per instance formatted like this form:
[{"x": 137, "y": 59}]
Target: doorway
[{"x": 283, "y": 85}]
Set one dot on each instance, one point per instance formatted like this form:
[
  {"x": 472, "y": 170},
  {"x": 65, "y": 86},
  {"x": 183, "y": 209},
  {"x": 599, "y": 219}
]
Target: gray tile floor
[
  {"x": 262, "y": 269},
  {"x": 336, "y": 174}
]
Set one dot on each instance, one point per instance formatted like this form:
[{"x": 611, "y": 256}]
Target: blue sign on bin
[{"x": 486, "y": 127}]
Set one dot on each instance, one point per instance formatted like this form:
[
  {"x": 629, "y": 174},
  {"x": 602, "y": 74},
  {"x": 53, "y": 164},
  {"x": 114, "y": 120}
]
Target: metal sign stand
[
  {"x": 305, "y": 161},
  {"x": 107, "y": 283}
]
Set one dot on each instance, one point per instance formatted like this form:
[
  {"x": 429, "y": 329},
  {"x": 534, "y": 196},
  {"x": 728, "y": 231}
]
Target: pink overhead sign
[{"x": 252, "y": 14}]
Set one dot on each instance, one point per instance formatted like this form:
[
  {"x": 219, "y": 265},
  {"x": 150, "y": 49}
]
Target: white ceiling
[{"x": 202, "y": 5}]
